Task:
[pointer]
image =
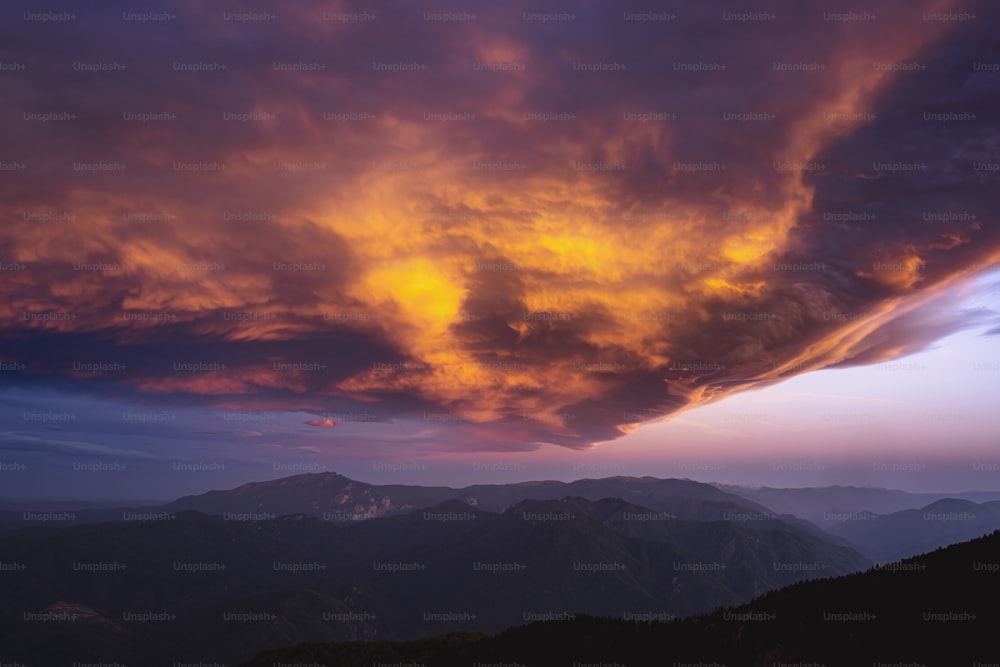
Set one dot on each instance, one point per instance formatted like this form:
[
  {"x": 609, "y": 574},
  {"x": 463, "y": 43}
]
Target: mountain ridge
[
  {"x": 450, "y": 565},
  {"x": 933, "y": 610}
]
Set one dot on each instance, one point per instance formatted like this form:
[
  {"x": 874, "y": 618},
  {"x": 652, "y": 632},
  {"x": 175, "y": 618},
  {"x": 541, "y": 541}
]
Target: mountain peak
[{"x": 951, "y": 505}]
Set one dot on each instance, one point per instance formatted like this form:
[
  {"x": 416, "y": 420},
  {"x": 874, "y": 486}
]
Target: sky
[{"x": 465, "y": 243}]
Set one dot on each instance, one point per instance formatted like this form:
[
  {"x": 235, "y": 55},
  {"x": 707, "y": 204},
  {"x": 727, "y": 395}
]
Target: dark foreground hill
[
  {"x": 934, "y": 610},
  {"x": 200, "y": 589}
]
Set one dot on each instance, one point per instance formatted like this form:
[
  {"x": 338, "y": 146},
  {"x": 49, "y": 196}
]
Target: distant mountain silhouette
[
  {"x": 338, "y": 498},
  {"x": 902, "y": 534},
  {"x": 826, "y": 506},
  {"x": 935, "y": 610}
]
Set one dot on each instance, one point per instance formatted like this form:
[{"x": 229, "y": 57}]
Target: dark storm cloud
[{"x": 510, "y": 229}]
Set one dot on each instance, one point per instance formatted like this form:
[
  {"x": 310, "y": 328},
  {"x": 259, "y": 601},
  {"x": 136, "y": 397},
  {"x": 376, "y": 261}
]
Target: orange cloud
[
  {"x": 324, "y": 423},
  {"x": 501, "y": 235}
]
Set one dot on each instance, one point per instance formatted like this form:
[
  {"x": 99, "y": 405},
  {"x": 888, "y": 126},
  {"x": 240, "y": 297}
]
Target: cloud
[
  {"x": 512, "y": 232},
  {"x": 27, "y": 443},
  {"x": 323, "y": 423}
]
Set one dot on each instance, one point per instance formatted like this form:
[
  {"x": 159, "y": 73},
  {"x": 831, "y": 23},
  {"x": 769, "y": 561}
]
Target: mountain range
[
  {"x": 192, "y": 587},
  {"x": 901, "y": 534},
  {"x": 338, "y": 499},
  {"x": 935, "y": 610},
  {"x": 341, "y": 499},
  {"x": 320, "y": 557},
  {"x": 827, "y": 506},
  {"x": 883, "y": 524}
]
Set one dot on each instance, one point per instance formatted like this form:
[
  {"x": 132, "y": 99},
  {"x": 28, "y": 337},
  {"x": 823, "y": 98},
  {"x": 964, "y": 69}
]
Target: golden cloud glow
[{"x": 497, "y": 264}]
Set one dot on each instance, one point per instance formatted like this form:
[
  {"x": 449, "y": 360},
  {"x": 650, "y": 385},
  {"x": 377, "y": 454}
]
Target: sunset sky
[{"x": 469, "y": 242}]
